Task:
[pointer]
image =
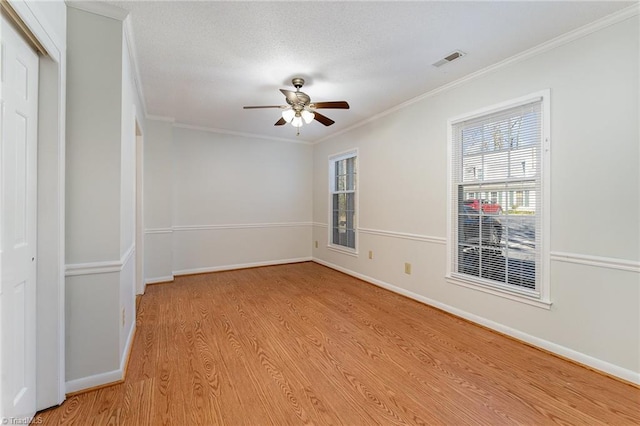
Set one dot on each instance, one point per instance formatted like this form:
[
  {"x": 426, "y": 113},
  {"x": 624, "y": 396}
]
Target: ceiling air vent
[{"x": 449, "y": 58}]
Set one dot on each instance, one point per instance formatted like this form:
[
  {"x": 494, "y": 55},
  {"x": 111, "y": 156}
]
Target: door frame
[
  {"x": 50, "y": 282},
  {"x": 140, "y": 284}
]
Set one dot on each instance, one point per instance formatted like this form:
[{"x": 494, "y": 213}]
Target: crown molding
[
  {"x": 99, "y": 8},
  {"x": 563, "y": 39}
]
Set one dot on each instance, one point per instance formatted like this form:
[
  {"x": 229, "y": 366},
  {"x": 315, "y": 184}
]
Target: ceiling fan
[{"x": 300, "y": 109}]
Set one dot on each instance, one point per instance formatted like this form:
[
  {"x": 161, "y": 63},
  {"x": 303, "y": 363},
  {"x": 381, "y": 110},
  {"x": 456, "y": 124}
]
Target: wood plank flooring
[{"x": 303, "y": 344}]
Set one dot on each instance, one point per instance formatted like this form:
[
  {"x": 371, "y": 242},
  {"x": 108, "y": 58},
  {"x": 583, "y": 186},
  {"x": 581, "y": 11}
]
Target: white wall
[
  {"x": 94, "y": 99},
  {"x": 236, "y": 201},
  {"x": 158, "y": 173},
  {"x": 103, "y": 107},
  {"x": 594, "y": 199}
]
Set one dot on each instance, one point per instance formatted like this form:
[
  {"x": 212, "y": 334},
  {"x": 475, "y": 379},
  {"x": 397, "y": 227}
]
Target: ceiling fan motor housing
[
  {"x": 303, "y": 99},
  {"x": 297, "y": 82}
]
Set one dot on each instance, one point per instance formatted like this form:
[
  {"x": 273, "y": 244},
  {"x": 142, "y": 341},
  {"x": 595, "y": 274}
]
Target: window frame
[
  {"x": 543, "y": 297},
  {"x": 333, "y": 159}
]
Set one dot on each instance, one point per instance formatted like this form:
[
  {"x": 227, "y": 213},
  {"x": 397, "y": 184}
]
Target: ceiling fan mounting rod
[{"x": 297, "y": 82}]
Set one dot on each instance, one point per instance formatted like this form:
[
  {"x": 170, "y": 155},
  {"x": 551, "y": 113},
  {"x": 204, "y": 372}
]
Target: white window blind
[
  {"x": 497, "y": 199},
  {"x": 343, "y": 170}
]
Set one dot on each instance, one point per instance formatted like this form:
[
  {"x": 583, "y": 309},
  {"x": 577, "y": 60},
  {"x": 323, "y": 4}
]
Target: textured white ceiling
[{"x": 200, "y": 62}]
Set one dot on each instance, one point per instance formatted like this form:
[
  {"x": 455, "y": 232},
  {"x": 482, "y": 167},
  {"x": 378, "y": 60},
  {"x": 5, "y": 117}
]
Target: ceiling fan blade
[
  {"x": 280, "y": 122},
  {"x": 264, "y": 106},
  {"x": 323, "y": 119},
  {"x": 291, "y": 96},
  {"x": 334, "y": 104}
]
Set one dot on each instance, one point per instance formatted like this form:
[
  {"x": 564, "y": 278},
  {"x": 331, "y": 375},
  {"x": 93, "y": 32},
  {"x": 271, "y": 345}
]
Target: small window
[
  {"x": 498, "y": 243},
  {"x": 343, "y": 170}
]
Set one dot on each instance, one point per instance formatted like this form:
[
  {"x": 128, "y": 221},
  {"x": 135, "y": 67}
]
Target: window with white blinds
[
  {"x": 497, "y": 161},
  {"x": 343, "y": 183}
]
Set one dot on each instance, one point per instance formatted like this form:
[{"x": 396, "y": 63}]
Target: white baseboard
[
  {"x": 240, "y": 266},
  {"x": 93, "y": 381},
  {"x": 157, "y": 280},
  {"x": 102, "y": 379},
  {"x": 126, "y": 352},
  {"x": 596, "y": 364}
]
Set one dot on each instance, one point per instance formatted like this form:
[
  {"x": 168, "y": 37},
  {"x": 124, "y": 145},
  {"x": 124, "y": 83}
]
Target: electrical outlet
[
  {"x": 123, "y": 317},
  {"x": 316, "y": 244},
  {"x": 407, "y": 268},
  {"x": 370, "y": 254}
]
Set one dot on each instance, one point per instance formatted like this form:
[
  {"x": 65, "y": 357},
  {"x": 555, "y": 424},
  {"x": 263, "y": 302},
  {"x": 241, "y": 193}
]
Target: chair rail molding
[
  {"x": 597, "y": 261},
  {"x": 182, "y": 228},
  {"x": 104, "y": 267}
]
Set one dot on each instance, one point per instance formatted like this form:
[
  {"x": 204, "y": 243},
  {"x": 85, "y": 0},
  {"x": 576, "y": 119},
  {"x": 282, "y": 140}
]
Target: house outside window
[
  {"x": 343, "y": 172},
  {"x": 498, "y": 222}
]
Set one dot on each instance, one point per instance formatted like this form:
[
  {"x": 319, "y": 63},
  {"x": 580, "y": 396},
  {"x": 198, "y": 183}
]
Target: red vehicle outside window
[{"x": 488, "y": 207}]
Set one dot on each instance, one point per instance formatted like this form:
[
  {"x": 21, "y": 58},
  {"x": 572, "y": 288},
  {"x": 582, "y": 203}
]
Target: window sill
[
  {"x": 497, "y": 291},
  {"x": 348, "y": 252}
]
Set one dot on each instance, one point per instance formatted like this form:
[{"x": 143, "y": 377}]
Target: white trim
[
  {"x": 47, "y": 39},
  {"x": 544, "y": 290},
  {"x": 332, "y": 160},
  {"x": 234, "y": 133},
  {"x": 597, "y": 261},
  {"x": 180, "y": 228},
  {"x": 545, "y": 197},
  {"x": 501, "y": 106},
  {"x": 91, "y": 268},
  {"x": 104, "y": 267},
  {"x": 126, "y": 351},
  {"x": 320, "y": 224},
  {"x": 563, "y": 39},
  {"x": 157, "y": 280},
  {"x": 158, "y": 231},
  {"x": 555, "y": 348},
  {"x": 99, "y": 8},
  {"x": 240, "y": 266},
  {"x": 507, "y": 293},
  {"x": 341, "y": 250},
  {"x": 404, "y": 236},
  {"x": 62, "y": 156},
  {"x": 342, "y": 155},
  {"x": 93, "y": 381},
  {"x": 128, "y": 254}
]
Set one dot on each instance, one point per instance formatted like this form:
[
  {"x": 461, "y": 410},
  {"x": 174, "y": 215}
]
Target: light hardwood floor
[{"x": 303, "y": 344}]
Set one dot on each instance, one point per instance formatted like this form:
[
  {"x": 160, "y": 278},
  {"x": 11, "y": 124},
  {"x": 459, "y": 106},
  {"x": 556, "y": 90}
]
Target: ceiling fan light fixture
[
  {"x": 288, "y": 115},
  {"x": 297, "y": 121},
  {"x": 307, "y": 116}
]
